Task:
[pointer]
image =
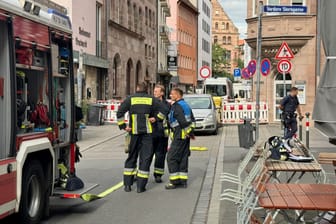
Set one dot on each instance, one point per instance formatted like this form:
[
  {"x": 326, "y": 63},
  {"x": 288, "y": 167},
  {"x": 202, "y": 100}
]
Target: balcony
[
  {"x": 164, "y": 33},
  {"x": 296, "y": 30},
  {"x": 166, "y": 7}
]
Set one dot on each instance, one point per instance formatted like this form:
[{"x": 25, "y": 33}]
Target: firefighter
[
  {"x": 142, "y": 110},
  {"x": 181, "y": 121},
  {"x": 160, "y": 136}
]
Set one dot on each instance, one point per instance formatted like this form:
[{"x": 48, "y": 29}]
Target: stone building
[
  {"x": 131, "y": 30},
  {"x": 299, "y": 32},
  {"x": 88, "y": 43},
  {"x": 226, "y": 34}
]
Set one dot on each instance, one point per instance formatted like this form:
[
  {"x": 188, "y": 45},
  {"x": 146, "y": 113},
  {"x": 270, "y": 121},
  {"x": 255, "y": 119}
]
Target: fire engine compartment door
[{"x": 6, "y": 104}]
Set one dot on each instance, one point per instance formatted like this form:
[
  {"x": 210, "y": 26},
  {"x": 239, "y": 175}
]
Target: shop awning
[{"x": 325, "y": 102}]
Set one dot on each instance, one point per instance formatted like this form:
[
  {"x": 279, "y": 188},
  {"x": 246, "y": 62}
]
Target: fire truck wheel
[{"x": 33, "y": 195}]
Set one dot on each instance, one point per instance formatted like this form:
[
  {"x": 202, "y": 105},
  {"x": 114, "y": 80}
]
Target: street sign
[
  {"x": 285, "y": 8},
  {"x": 265, "y": 67},
  {"x": 252, "y": 67},
  {"x": 236, "y": 72},
  {"x": 245, "y": 73},
  {"x": 284, "y": 66},
  {"x": 205, "y": 72},
  {"x": 284, "y": 52}
]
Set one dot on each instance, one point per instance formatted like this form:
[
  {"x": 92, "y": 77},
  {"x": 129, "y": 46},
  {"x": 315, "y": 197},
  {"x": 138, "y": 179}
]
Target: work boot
[
  {"x": 158, "y": 179},
  {"x": 170, "y": 186},
  {"x": 141, "y": 190},
  {"x": 127, "y": 188}
]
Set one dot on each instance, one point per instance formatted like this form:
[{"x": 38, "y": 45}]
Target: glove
[{"x": 78, "y": 155}]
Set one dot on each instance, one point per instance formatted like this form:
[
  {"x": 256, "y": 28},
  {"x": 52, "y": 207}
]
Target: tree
[{"x": 219, "y": 61}]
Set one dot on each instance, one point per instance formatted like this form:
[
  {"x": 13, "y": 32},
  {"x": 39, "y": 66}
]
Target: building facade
[
  {"x": 187, "y": 23},
  {"x": 90, "y": 63},
  {"x": 204, "y": 35},
  {"x": 299, "y": 32},
  {"x": 226, "y": 35},
  {"x": 131, "y": 31},
  {"x": 163, "y": 75}
]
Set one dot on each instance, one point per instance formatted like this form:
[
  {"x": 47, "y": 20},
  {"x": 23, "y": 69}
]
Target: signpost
[
  {"x": 236, "y": 73},
  {"x": 265, "y": 67},
  {"x": 205, "y": 72},
  {"x": 284, "y": 66},
  {"x": 252, "y": 67},
  {"x": 285, "y": 9}
]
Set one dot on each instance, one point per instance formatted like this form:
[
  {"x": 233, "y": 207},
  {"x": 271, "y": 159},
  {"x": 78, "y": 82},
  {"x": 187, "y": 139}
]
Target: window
[
  {"x": 215, "y": 39},
  {"x": 224, "y": 40},
  {"x": 135, "y": 11},
  {"x": 229, "y": 40},
  {"x": 98, "y": 30},
  {"x": 146, "y": 50},
  {"x": 205, "y": 46},
  {"x": 153, "y": 52},
  {"x": 227, "y": 26},
  {"x": 273, "y": 2},
  {"x": 298, "y": 2},
  {"x": 146, "y": 15},
  {"x": 228, "y": 55},
  {"x": 150, "y": 18},
  {"x": 216, "y": 26},
  {"x": 217, "y": 13}
]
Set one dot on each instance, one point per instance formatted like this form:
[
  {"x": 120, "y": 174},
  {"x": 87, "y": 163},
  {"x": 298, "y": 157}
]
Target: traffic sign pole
[{"x": 258, "y": 70}]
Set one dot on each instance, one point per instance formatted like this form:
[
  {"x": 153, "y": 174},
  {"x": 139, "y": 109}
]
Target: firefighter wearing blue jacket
[
  {"x": 143, "y": 111},
  {"x": 181, "y": 121}
]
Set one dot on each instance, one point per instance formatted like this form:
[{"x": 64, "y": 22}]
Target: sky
[{"x": 236, "y": 9}]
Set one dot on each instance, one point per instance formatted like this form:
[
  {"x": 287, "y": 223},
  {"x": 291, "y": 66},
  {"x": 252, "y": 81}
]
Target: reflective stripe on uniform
[
  {"x": 161, "y": 116},
  {"x": 134, "y": 124},
  {"x": 183, "y": 176},
  {"x": 148, "y": 124},
  {"x": 141, "y": 100},
  {"x": 158, "y": 171},
  {"x": 183, "y": 134},
  {"x": 143, "y": 174},
  {"x": 121, "y": 121},
  {"x": 130, "y": 171},
  {"x": 174, "y": 176}
]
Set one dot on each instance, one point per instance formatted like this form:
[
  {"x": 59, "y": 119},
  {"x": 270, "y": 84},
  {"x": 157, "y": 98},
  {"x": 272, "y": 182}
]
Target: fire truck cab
[{"x": 37, "y": 113}]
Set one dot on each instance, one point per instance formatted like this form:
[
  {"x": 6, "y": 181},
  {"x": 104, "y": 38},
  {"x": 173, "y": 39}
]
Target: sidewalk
[{"x": 94, "y": 135}]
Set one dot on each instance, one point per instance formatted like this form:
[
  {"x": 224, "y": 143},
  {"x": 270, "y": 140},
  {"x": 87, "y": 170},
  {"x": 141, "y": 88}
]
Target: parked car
[{"x": 204, "y": 111}]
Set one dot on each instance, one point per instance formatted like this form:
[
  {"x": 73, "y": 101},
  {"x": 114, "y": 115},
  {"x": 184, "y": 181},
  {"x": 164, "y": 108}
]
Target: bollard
[
  {"x": 307, "y": 129},
  {"x": 300, "y": 128}
]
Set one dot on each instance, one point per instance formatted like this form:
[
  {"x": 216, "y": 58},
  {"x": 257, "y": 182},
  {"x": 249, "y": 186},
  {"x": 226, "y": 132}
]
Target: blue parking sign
[{"x": 236, "y": 72}]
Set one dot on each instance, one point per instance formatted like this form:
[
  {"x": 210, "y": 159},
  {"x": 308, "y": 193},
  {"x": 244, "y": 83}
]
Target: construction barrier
[
  {"x": 110, "y": 112},
  {"x": 234, "y": 113}
]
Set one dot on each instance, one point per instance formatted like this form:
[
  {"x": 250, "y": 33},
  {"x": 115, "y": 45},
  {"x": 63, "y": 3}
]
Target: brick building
[
  {"x": 299, "y": 31},
  {"x": 226, "y": 34},
  {"x": 183, "y": 47},
  {"x": 131, "y": 30}
]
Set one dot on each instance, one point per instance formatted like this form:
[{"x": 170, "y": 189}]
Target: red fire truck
[{"x": 37, "y": 113}]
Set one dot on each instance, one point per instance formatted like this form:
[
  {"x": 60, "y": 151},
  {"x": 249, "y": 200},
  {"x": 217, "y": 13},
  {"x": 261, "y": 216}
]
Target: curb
[
  {"x": 203, "y": 211},
  {"x": 101, "y": 142}
]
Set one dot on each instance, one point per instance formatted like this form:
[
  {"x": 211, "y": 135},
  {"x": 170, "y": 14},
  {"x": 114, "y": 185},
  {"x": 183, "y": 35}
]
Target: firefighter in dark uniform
[
  {"x": 160, "y": 135},
  {"x": 142, "y": 109},
  {"x": 289, "y": 105},
  {"x": 181, "y": 121}
]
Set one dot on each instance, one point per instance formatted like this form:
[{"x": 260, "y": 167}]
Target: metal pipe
[
  {"x": 258, "y": 69},
  {"x": 300, "y": 127},
  {"x": 318, "y": 40},
  {"x": 307, "y": 129}
]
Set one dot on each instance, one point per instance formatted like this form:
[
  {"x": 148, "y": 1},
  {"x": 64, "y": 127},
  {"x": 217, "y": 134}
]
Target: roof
[{"x": 189, "y": 5}]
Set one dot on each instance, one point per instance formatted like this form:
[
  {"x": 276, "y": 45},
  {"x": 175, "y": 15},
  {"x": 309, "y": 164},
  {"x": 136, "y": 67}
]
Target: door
[
  {"x": 279, "y": 86},
  {"x": 7, "y": 119}
]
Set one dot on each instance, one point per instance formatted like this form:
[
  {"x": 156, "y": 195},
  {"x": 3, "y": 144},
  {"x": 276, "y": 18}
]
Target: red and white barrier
[
  {"x": 110, "y": 111},
  {"x": 234, "y": 113}
]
